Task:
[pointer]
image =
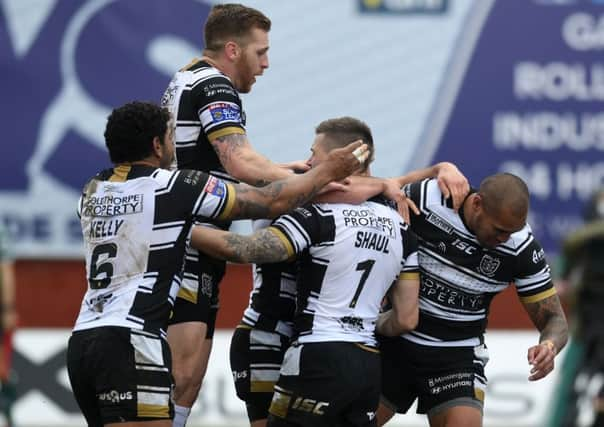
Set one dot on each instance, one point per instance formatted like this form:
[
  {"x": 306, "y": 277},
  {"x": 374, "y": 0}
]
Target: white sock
[{"x": 181, "y": 413}]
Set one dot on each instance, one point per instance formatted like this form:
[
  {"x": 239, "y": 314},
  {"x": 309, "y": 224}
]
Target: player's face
[
  {"x": 318, "y": 152},
  {"x": 168, "y": 149},
  {"x": 252, "y": 61},
  {"x": 495, "y": 228}
]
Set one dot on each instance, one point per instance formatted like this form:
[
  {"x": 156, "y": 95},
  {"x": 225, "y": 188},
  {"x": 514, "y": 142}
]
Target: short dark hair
[
  {"x": 232, "y": 21},
  {"x": 131, "y": 128},
  {"x": 505, "y": 191},
  {"x": 342, "y": 131}
]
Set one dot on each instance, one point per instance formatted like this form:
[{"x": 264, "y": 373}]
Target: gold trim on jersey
[
  {"x": 409, "y": 275},
  {"x": 187, "y": 294},
  {"x": 152, "y": 411},
  {"x": 479, "y": 394},
  {"x": 280, "y": 403},
  {"x": 224, "y": 132},
  {"x": 244, "y": 327},
  {"x": 120, "y": 173},
  {"x": 538, "y": 297},
  {"x": 262, "y": 386},
  {"x": 291, "y": 253},
  {"x": 367, "y": 348},
  {"x": 230, "y": 202},
  {"x": 190, "y": 64}
]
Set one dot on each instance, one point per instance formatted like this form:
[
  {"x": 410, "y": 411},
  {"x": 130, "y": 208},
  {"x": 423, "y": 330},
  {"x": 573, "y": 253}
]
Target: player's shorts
[
  {"x": 118, "y": 375},
  {"x": 327, "y": 384},
  {"x": 439, "y": 377},
  {"x": 197, "y": 298},
  {"x": 256, "y": 358}
]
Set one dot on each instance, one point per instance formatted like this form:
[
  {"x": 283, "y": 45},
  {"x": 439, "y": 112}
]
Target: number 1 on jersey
[{"x": 365, "y": 267}]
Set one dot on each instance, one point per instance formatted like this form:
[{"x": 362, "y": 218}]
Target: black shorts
[
  {"x": 118, "y": 375},
  {"x": 439, "y": 377},
  {"x": 327, "y": 384},
  {"x": 256, "y": 358},
  {"x": 197, "y": 298}
]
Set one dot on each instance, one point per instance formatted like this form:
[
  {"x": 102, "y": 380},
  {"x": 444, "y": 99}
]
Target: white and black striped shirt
[
  {"x": 459, "y": 278},
  {"x": 136, "y": 222}
]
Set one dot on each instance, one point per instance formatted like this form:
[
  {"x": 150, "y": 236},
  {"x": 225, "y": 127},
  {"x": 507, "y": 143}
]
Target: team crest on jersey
[
  {"x": 215, "y": 187},
  {"x": 221, "y": 112},
  {"x": 489, "y": 265}
]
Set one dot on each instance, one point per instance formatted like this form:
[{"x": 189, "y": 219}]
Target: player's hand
[
  {"x": 404, "y": 205},
  {"x": 297, "y": 166},
  {"x": 541, "y": 358},
  {"x": 343, "y": 162},
  {"x": 452, "y": 183}
]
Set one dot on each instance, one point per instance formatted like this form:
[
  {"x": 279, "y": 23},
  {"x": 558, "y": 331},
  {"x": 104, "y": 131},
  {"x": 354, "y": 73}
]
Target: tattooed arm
[
  {"x": 282, "y": 196},
  {"x": 264, "y": 246},
  {"x": 548, "y": 317},
  {"x": 242, "y": 162}
]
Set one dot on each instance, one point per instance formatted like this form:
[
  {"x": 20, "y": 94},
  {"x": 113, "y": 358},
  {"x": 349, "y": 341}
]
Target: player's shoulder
[
  {"x": 519, "y": 241},
  {"x": 426, "y": 192}
]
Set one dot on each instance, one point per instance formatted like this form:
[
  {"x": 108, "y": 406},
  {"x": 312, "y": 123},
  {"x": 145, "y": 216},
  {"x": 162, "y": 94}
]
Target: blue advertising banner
[
  {"x": 64, "y": 66},
  {"x": 524, "y": 95}
]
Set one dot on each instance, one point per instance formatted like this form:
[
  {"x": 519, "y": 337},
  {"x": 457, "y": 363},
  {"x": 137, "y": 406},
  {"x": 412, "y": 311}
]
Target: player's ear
[
  {"x": 231, "y": 50},
  {"x": 157, "y": 150}
]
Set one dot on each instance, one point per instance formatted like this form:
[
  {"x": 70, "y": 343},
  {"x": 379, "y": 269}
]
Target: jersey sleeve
[
  {"x": 206, "y": 196},
  {"x": 410, "y": 262},
  {"x": 218, "y": 107},
  {"x": 533, "y": 278},
  {"x": 305, "y": 227},
  {"x": 413, "y": 191}
]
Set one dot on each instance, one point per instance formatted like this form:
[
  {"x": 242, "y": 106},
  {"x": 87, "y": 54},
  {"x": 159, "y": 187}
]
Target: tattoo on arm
[
  {"x": 261, "y": 247},
  {"x": 255, "y": 202},
  {"x": 547, "y": 316},
  {"x": 227, "y": 146}
]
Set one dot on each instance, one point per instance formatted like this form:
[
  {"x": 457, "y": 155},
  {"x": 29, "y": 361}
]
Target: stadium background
[{"x": 493, "y": 85}]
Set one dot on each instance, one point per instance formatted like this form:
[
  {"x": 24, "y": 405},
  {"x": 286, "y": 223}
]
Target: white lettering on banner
[
  {"x": 563, "y": 179},
  {"x": 559, "y": 81},
  {"x": 582, "y": 31},
  {"x": 548, "y": 131}
]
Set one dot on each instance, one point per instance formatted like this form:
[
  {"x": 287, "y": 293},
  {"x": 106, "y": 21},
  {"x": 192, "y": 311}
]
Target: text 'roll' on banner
[{"x": 524, "y": 94}]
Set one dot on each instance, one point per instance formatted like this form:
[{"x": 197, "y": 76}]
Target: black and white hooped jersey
[
  {"x": 273, "y": 298},
  {"x": 136, "y": 222},
  {"x": 205, "y": 105},
  {"x": 459, "y": 278},
  {"x": 350, "y": 256}
]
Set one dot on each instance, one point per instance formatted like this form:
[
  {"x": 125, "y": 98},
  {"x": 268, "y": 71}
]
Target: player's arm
[
  {"x": 404, "y": 314},
  {"x": 548, "y": 317},
  {"x": 267, "y": 245},
  {"x": 244, "y": 163},
  {"x": 284, "y": 195},
  {"x": 451, "y": 181}
]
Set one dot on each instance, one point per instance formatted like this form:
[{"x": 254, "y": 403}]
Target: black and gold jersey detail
[
  {"x": 349, "y": 256},
  {"x": 135, "y": 231},
  {"x": 459, "y": 278}
]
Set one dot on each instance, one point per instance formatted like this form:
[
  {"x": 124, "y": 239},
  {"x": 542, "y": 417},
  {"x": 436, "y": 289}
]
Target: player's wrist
[{"x": 549, "y": 344}]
